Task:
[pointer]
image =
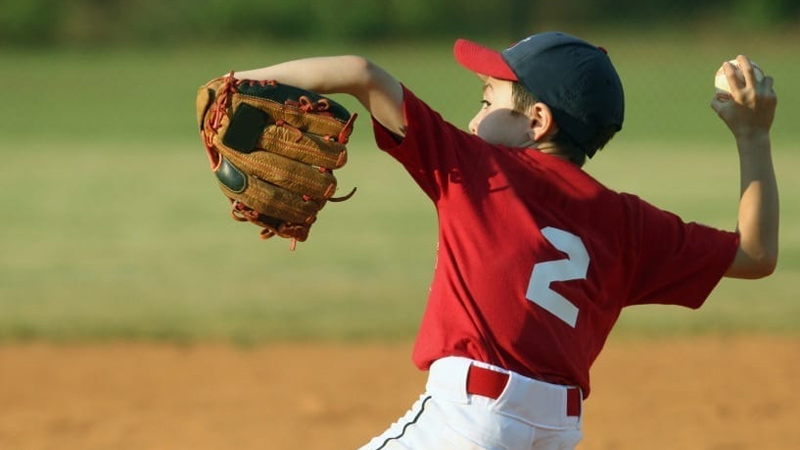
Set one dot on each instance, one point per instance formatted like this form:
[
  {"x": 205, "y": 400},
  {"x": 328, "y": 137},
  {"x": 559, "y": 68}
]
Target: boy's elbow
[
  {"x": 748, "y": 267},
  {"x": 379, "y": 92},
  {"x": 762, "y": 268},
  {"x": 767, "y": 266},
  {"x": 358, "y": 74},
  {"x": 751, "y": 267},
  {"x": 372, "y": 76},
  {"x": 766, "y": 262},
  {"x": 362, "y": 65}
]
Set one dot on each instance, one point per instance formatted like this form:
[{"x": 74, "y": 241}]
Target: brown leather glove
[{"x": 273, "y": 148}]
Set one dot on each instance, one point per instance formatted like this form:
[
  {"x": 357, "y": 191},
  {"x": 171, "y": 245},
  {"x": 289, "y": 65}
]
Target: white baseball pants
[{"x": 470, "y": 405}]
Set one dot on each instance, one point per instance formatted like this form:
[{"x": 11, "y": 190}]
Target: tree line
[{"x": 105, "y": 22}]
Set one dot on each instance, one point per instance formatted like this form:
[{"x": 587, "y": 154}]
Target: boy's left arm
[{"x": 377, "y": 90}]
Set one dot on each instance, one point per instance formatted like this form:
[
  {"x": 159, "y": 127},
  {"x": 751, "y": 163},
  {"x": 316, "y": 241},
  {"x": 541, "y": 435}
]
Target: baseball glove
[{"x": 273, "y": 148}]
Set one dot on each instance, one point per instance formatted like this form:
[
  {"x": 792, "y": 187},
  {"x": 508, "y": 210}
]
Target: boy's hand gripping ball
[{"x": 723, "y": 89}]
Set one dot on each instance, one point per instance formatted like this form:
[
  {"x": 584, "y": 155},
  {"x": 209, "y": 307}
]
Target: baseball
[{"x": 721, "y": 81}]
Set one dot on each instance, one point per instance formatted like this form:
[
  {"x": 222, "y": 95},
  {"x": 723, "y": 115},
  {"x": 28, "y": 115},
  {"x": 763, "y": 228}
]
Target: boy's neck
[{"x": 553, "y": 149}]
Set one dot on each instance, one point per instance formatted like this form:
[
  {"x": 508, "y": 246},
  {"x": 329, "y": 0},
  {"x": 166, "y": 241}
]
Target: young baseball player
[{"x": 536, "y": 259}]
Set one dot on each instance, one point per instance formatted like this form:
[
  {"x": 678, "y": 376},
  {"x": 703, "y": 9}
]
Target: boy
[{"x": 535, "y": 258}]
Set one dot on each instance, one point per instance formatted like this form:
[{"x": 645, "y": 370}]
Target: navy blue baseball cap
[{"x": 574, "y": 78}]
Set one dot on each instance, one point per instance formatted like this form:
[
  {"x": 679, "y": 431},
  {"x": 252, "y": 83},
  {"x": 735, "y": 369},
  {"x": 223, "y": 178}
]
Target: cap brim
[{"x": 482, "y": 60}]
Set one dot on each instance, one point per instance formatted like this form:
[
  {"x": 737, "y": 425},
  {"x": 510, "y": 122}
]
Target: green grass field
[{"x": 113, "y": 227}]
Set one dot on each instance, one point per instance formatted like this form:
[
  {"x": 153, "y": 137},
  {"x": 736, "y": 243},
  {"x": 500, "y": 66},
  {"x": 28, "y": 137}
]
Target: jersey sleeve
[
  {"x": 433, "y": 151},
  {"x": 676, "y": 262}
]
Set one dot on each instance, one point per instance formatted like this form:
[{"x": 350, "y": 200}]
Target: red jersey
[{"x": 536, "y": 259}]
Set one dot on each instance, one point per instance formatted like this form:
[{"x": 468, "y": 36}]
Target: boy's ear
[{"x": 542, "y": 122}]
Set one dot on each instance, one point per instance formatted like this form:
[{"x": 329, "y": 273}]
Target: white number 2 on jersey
[{"x": 544, "y": 273}]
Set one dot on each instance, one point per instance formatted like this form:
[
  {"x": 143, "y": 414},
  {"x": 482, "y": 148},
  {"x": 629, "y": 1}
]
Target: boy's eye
[{"x": 485, "y": 104}]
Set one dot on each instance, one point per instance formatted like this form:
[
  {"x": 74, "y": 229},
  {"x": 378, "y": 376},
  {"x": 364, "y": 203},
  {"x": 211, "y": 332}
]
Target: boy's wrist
[{"x": 753, "y": 141}]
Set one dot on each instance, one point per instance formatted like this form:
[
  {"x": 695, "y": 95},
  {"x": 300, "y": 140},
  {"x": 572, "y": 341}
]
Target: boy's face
[{"x": 497, "y": 122}]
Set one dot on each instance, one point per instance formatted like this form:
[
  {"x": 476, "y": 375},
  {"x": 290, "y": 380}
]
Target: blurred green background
[{"x": 114, "y": 228}]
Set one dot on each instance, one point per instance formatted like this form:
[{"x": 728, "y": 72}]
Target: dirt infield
[{"x": 693, "y": 393}]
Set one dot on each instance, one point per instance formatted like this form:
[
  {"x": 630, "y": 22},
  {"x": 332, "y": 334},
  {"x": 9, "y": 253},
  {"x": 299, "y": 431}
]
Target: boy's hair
[{"x": 524, "y": 100}]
